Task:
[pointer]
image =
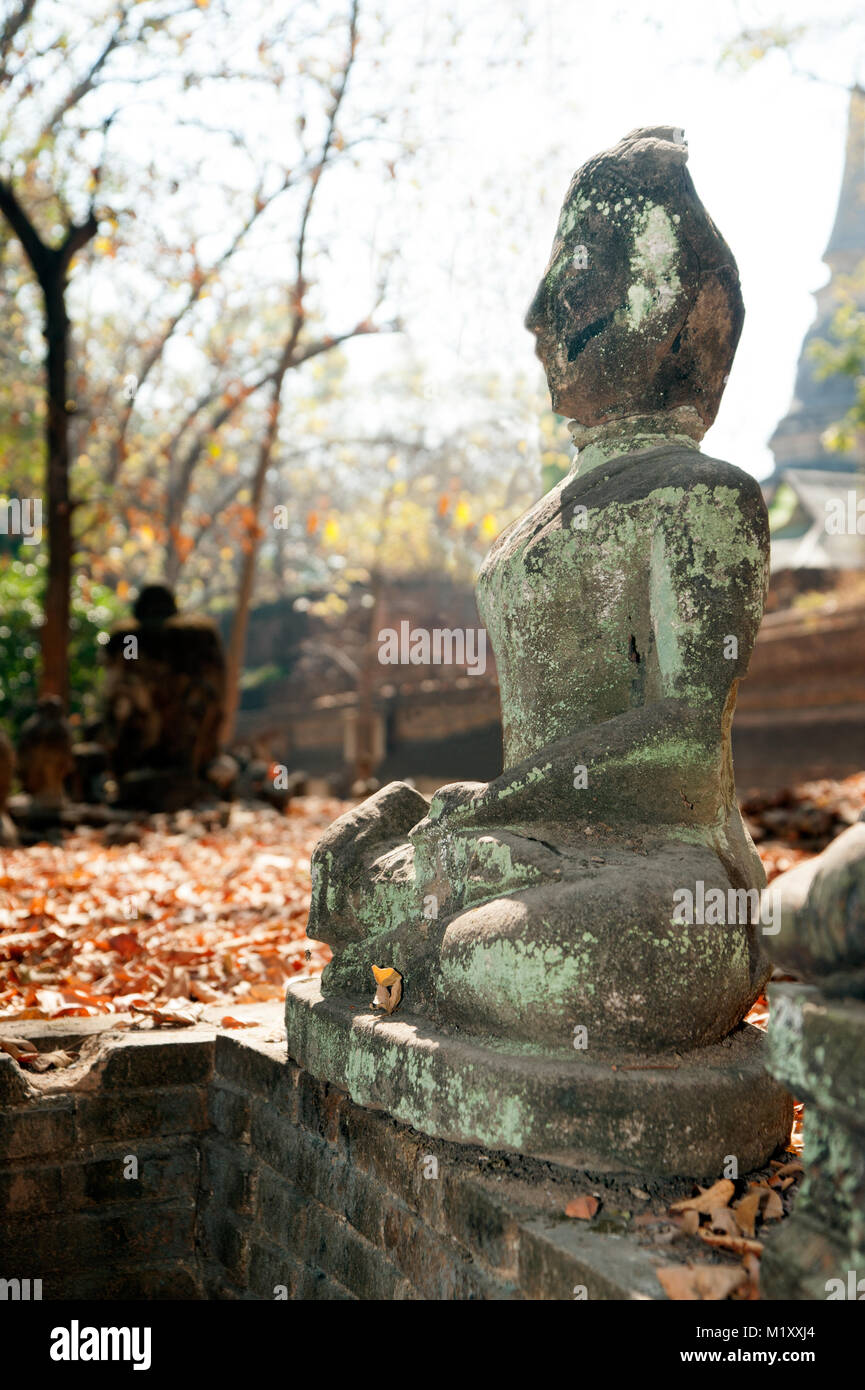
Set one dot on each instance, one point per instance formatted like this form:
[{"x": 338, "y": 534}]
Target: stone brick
[
  {"x": 255, "y": 1068},
  {"x": 390, "y": 1151},
  {"x": 161, "y": 1177},
  {"x": 143, "y": 1061},
  {"x": 333, "y": 1246},
  {"x": 314, "y": 1285},
  {"x": 320, "y": 1107},
  {"x": 555, "y": 1258},
  {"x": 227, "y": 1176},
  {"x": 176, "y": 1281},
  {"x": 302, "y": 1158},
  {"x": 482, "y": 1223},
  {"x": 15, "y": 1087},
  {"x": 93, "y": 1240},
  {"x": 45, "y": 1128},
  {"x": 271, "y": 1268},
  {"x": 125, "y": 1116},
  {"x": 366, "y": 1204},
  {"x": 229, "y": 1112},
  {"x": 30, "y": 1191},
  {"x": 438, "y": 1270},
  {"x": 225, "y": 1239},
  {"x": 280, "y": 1210}
]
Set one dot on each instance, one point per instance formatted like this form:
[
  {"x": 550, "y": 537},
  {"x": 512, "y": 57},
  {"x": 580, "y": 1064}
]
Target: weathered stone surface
[
  {"x": 665, "y": 1116},
  {"x": 45, "y": 754},
  {"x": 816, "y": 1045},
  {"x": 822, "y": 936},
  {"x": 623, "y": 609},
  {"x": 639, "y": 308},
  {"x": 333, "y": 1202},
  {"x": 164, "y": 701}
]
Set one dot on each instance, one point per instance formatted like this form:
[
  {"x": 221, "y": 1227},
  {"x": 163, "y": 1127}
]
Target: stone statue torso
[{"x": 574, "y": 596}]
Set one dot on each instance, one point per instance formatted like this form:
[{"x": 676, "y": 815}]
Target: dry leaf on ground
[
  {"x": 191, "y": 911},
  {"x": 700, "y": 1282},
  {"x": 718, "y": 1195},
  {"x": 18, "y": 1048},
  {"x": 47, "y": 1061},
  {"x": 723, "y": 1222},
  {"x": 791, "y": 1169},
  {"x": 746, "y": 1210},
  {"x": 583, "y": 1208},
  {"x": 738, "y": 1244}
]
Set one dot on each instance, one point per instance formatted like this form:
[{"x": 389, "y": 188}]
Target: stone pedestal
[
  {"x": 667, "y": 1115},
  {"x": 816, "y": 1047}
]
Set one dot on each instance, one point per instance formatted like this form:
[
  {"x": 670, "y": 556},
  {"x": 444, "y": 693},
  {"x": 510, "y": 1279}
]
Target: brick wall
[
  {"x": 256, "y": 1181},
  {"x": 68, "y": 1215}
]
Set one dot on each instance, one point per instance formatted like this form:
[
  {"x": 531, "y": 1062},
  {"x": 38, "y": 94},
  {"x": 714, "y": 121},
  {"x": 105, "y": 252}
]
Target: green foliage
[
  {"x": 94, "y": 609},
  {"x": 751, "y": 46},
  {"x": 843, "y": 353}
]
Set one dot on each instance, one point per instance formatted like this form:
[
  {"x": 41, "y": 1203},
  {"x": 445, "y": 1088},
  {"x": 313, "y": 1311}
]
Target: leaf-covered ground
[{"x": 193, "y": 912}]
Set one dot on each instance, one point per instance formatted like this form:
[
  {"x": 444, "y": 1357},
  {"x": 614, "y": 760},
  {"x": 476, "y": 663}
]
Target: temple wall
[{"x": 256, "y": 1181}]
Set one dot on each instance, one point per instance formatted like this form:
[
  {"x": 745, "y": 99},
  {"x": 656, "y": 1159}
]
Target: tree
[
  {"x": 44, "y": 56},
  {"x": 294, "y": 350}
]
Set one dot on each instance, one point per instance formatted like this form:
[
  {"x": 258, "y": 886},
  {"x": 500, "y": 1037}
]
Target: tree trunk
[
  {"x": 55, "y": 630},
  {"x": 237, "y": 640}
]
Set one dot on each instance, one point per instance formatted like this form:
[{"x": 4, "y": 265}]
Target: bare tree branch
[{"x": 15, "y": 22}]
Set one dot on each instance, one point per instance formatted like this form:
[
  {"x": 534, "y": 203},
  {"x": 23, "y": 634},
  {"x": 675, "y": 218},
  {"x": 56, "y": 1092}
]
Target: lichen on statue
[{"x": 521, "y": 908}]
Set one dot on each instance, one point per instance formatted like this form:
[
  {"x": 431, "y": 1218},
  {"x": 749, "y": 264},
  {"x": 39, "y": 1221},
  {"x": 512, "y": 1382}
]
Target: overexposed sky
[
  {"x": 503, "y": 100},
  {"x": 499, "y": 143}
]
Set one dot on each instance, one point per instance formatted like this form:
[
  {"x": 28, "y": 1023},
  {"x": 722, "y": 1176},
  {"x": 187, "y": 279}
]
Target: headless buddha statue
[{"x": 622, "y": 608}]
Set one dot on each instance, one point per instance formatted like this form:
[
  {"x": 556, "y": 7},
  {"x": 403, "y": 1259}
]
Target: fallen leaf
[
  {"x": 724, "y": 1222},
  {"x": 194, "y": 909},
  {"x": 170, "y": 1018},
  {"x": 738, "y": 1244},
  {"x": 17, "y": 1048},
  {"x": 388, "y": 988},
  {"x": 718, "y": 1195},
  {"x": 47, "y": 1061},
  {"x": 582, "y": 1208},
  {"x": 794, "y": 1167},
  {"x": 746, "y": 1210},
  {"x": 691, "y": 1222},
  {"x": 773, "y": 1207},
  {"x": 229, "y": 1022},
  {"x": 693, "y": 1283}
]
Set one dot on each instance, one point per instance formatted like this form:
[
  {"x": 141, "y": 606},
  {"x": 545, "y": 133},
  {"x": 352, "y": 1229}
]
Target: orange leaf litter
[{"x": 204, "y": 914}]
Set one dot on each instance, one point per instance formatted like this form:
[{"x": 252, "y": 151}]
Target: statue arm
[
  {"x": 647, "y": 764},
  {"x": 709, "y": 574}
]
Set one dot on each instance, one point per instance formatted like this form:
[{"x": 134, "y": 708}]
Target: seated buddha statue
[{"x": 622, "y": 609}]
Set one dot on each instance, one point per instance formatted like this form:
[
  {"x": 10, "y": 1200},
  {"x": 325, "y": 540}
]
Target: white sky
[
  {"x": 500, "y": 145},
  {"x": 502, "y": 116}
]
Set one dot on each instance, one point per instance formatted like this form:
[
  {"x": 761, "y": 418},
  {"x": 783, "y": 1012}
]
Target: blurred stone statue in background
[{"x": 164, "y": 701}]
